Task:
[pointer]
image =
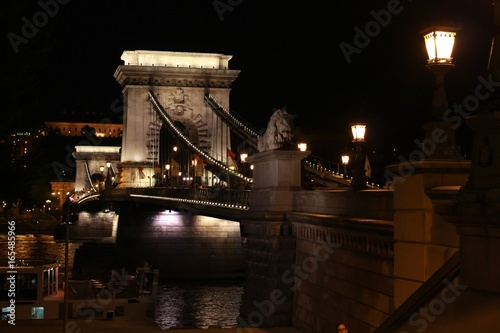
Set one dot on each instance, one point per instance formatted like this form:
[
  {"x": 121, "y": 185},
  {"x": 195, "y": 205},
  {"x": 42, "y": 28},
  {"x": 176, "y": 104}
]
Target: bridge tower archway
[{"x": 180, "y": 82}]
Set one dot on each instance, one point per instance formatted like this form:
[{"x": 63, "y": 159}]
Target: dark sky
[{"x": 288, "y": 52}]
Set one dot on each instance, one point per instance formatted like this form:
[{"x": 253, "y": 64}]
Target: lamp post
[
  {"x": 345, "y": 162},
  {"x": 358, "y": 171},
  {"x": 302, "y": 146},
  {"x": 439, "y": 42},
  {"x": 167, "y": 168}
]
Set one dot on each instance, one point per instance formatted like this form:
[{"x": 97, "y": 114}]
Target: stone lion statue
[{"x": 278, "y": 133}]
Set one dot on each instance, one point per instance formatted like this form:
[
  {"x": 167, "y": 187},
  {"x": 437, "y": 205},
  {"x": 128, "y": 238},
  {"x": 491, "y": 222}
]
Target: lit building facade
[{"x": 75, "y": 129}]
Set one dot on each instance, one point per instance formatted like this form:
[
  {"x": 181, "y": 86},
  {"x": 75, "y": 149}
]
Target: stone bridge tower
[{"x": 179, "y": 81}]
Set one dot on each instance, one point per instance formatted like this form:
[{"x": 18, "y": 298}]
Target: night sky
[{"x": 288, "y": 53}]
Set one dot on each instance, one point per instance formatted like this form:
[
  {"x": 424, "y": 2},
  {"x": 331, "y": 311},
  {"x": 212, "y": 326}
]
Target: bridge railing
[{"x": 223, "y": 197}]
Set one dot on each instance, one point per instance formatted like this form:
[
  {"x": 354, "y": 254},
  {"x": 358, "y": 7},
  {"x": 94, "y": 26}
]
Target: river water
[
  {"x": 195, "y": 304},
  {"x": 199, "y": 304}
]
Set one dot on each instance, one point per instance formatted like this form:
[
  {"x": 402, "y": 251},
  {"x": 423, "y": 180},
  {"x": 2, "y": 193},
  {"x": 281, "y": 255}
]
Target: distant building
[
  {"x": 75, "y": 129},
  {"x": 21, "y": 142}
]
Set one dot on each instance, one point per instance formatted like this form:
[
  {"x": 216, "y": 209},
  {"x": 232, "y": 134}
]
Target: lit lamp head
[
  {"x": 108, "y": 164},
  {"x": 358, "y": 132},
  {"x": 439, "y": 42},
  {"x": 345, "y": 159},
  {"x": 175, "y": 148},
  {"x": 167, "y": 167},
  {"x": 180, "y": 173},
  {"x": 302, "y": 146},
  {"x": 101, "y": 168},
  {"x": 243, "y": 157}
]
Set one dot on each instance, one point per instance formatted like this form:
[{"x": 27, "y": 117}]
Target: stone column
[
  {"x": 271, "y": 246},
  {"x": 423, "y": 241},
  {"x": 476, "y": 214}
]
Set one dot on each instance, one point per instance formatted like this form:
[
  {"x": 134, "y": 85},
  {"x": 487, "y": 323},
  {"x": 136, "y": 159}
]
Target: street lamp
[
  {"x": 439, "y": 42},
  {"x": 101, "y": 168},
  {"x": 345, "y": 162},
  {"x": 358, "y": 181},
  {"x": 302, "y": 146},
  {"x": 108, "y": 165},
  {"x": 358, "y": 132},
  {"x": 243, "y": 157}
]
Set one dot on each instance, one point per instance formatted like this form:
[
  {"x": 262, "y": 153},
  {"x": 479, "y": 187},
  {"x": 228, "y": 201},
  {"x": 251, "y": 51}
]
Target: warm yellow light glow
[
  {"x": 243, "y": 157},
  {"x": 48, "y": 201},
  {"x": 358, "y": 132},
  {"x": 67, "y": 193},
  {"x": 302, "y": 146},
  {"x": 232, "y": 167},
  {"x": 193, "y": 162},
  {"x": 175, "y": 148},
  {"x": 439, "y": 46},
  {"x": 108, "y": 164},
  {"x": 345, "y": 159},
  {"x": 175, "y": 59},
  {"x": 101, "y": 168},
  {"x": 167, "y": 166},
  {"x": 180, "y": 173},
  {"x": 251, "y": 167}
]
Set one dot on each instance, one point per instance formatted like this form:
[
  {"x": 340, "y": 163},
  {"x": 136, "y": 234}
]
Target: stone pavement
[{"x": 120, "y": 324}]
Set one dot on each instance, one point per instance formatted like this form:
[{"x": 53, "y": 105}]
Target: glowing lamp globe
[
  {"x": 302, "y": 146},
  {"x": 358, "y": 132},
  {"x": 345, "y": 159},
  {"x": 167, "y": 166},
  {"x": 439, "y": 42},
  {"x": 243, "y": 157}
]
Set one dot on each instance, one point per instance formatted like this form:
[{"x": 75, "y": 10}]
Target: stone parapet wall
[
  {"x": 343, "y": 272},
  {"x": 370, "y": 204}
]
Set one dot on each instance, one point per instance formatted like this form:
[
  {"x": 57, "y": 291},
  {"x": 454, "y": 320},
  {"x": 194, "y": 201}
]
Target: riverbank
[{"x": 122, "y": 325}]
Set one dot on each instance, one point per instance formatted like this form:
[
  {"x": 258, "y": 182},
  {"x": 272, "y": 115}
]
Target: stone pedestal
[
  {"x": 268, "y": 298},
  {"x": 476, "y": 214},
  {"x": 277, "y": 173},
  {"x": 423, "y": 241}
]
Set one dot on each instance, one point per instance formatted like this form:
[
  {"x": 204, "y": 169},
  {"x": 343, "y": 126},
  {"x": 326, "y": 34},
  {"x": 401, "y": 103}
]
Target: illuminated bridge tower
[{"x": 180, "y": 82}]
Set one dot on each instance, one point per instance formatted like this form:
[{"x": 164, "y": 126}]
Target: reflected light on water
[
  {"x": 199, "y": 304},
  {"x": 40, "y": 247}
]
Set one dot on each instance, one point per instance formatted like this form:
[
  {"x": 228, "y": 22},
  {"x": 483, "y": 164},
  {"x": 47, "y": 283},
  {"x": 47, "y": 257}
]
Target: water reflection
[
  {"x": 40, "y": 247},
  {"x": 199, "y": 304}
]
